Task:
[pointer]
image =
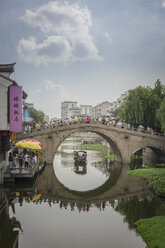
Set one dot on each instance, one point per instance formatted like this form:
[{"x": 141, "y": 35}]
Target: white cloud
[
  {"x": 53, "y": 49},
  {"x": 108, "y": 36},
  {"x": 34, "y": 93},
  {"x": 67, "y": 30},
  {"x": 52, "y": 94},
  {"x": 163, "y": 4},
  {"x": 49, "y": 85}
]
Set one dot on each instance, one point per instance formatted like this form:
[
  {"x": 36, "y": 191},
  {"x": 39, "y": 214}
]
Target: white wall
[{"x": 3, "y": 104}]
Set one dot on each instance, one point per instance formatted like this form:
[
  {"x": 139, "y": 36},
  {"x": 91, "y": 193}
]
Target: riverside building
[{"x": 5, "y": 127}]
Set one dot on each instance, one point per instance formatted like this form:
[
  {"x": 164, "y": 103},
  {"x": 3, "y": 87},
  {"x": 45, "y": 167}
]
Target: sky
[{"x": 88, "y": 51}]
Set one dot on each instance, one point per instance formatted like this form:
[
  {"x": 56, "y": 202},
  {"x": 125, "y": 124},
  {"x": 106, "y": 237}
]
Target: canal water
[{"x": 66, "y": 206}]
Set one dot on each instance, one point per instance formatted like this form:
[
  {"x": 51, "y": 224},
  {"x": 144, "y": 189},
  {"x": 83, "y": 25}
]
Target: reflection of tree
[
  {"x": 105, "y": 166},
  {"x": 136, "y": 160},
  {"x": 140, "y": 207}
]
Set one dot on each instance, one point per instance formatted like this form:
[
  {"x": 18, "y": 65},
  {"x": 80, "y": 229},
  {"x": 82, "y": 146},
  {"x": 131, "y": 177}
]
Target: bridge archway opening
[
  {"x": 97, "y": 171},
  {"x": 114, "y": 149},
  {"x": 148, "y": 156}
]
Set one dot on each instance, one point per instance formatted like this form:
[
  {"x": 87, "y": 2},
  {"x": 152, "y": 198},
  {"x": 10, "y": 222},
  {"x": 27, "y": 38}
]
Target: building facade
[
  {"x": 5, "y": 134},
  {"x": 116, "y": 104},
  {"x": 73, "y": 112},
  {"x": 67, "y": 108},
  {"x": 86, "y": 110},
  {"x": 100, "y": 109}
]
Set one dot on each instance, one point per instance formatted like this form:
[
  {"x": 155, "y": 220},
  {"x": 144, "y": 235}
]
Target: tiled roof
[{"x": 7, "y": 67}]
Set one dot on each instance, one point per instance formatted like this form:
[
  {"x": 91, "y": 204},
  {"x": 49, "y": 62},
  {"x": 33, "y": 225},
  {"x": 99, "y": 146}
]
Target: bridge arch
[
  {"x": 124, "y": 142},
  {"x": 151, "y": 155},
  {"x": 58, "y": 138}
]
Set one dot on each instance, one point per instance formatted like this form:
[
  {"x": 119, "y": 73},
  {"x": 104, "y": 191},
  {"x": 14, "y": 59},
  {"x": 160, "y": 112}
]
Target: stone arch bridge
[{"x": 123, "y": 142}]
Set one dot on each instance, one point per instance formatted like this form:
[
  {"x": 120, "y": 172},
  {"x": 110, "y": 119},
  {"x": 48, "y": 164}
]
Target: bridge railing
[{"x": 127, "y": 127}]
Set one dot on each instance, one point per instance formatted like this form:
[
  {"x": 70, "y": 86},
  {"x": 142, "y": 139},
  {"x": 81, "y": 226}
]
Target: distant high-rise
[
  {"x": 67, "y": 107},
  {"x": 100, "y": 109},
  {"x": 86, "y": 110}
]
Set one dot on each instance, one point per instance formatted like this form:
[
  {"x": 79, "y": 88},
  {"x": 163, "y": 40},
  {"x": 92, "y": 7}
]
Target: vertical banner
[
  {"x": 26, "y": 114},
  {"x": 16, "y": 108}
]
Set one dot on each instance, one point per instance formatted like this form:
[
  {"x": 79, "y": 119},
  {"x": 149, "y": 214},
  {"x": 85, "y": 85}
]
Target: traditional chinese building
[{"x": 5, "y": 114}]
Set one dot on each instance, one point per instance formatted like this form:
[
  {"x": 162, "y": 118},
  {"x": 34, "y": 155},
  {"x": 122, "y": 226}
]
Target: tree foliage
[
  {"x": 37, "y": 115},
  {"x": 142, "y": 106},
  {"x": 161, "y": 115}
]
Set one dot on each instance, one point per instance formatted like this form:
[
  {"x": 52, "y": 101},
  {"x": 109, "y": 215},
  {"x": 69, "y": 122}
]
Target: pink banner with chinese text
[{"x": 15, "y": 108}]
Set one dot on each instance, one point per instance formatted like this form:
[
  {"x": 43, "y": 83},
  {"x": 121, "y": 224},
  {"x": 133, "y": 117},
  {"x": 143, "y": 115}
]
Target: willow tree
[
  {"x": 141, "y": 106},
  {"x": 161, "y": 115}
]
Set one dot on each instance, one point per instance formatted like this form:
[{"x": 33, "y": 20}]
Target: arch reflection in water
[
  {"x": 95, "y": 172},
  {"x": 62, "y": 210}
]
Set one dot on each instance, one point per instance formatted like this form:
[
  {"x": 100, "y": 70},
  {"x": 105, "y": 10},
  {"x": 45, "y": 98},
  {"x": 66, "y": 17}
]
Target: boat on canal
[{"x": 80, "y": 157}]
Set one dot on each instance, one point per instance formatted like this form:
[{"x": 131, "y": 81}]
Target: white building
[
  {"x": 65, "y": 107},
  {"x": 116, "y": 104},
  {"x": 86, "y": 110},
  {"x": 73, "y": 112},
  {"x": 100, "y": 109}
]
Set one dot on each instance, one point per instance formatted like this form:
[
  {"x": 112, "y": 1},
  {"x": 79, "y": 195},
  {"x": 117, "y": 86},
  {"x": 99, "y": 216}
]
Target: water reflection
[
  {"x": 50, "y": 220},
  {"x": 145, "y": 205},
  {"x": 137, "y": 160},
  {"x": 49, "y": 214},
  {"x": 95, "y": 173},
  {"x": 80, "y": 169}
]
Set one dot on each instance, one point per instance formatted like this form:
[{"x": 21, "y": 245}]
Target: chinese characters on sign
[{"x": 15, "y": 108}]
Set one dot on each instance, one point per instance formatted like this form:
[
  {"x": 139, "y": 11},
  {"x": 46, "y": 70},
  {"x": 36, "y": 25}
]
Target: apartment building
[
  {"x": 67, "y": 108},
  {"x": 86, "y": 110},
  {"x": 100, "y": 109}
]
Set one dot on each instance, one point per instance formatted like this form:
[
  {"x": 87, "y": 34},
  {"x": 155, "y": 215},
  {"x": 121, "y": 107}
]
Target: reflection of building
[
  {"x": 9, "y": 227},
  {"x": 5, "y": 83}
]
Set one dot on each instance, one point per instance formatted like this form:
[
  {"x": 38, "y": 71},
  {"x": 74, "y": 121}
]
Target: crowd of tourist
[
  {"x": 78, "y": 120},
  {"x": 25, "y": 159}
]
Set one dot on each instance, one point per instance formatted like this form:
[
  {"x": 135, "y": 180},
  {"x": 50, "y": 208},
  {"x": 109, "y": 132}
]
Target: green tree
[
  {"x": 141, "y": 106},
  {"x": 37, "y": 115},
  {"x": 161, "y": 115}
]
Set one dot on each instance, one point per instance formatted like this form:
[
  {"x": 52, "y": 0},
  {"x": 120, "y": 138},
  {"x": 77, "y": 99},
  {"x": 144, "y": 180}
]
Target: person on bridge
[
  {"x": 10, "y": 160},
  {"x": 26, "y": 157},
  {"x": 21, "y": 160}
]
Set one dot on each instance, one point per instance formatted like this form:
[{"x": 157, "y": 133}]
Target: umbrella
[
  {"x": 38, "y": 126},
  {"x": 33, "y": 140},
  {"x": 28, "y": 145}
]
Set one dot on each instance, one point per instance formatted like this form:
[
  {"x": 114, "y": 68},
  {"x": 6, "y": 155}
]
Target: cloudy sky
[{"x": 84, "y": 50}]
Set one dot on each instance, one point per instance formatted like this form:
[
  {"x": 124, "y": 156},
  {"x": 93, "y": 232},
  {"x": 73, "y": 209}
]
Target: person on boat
[{"x": 83, "y": 156}]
